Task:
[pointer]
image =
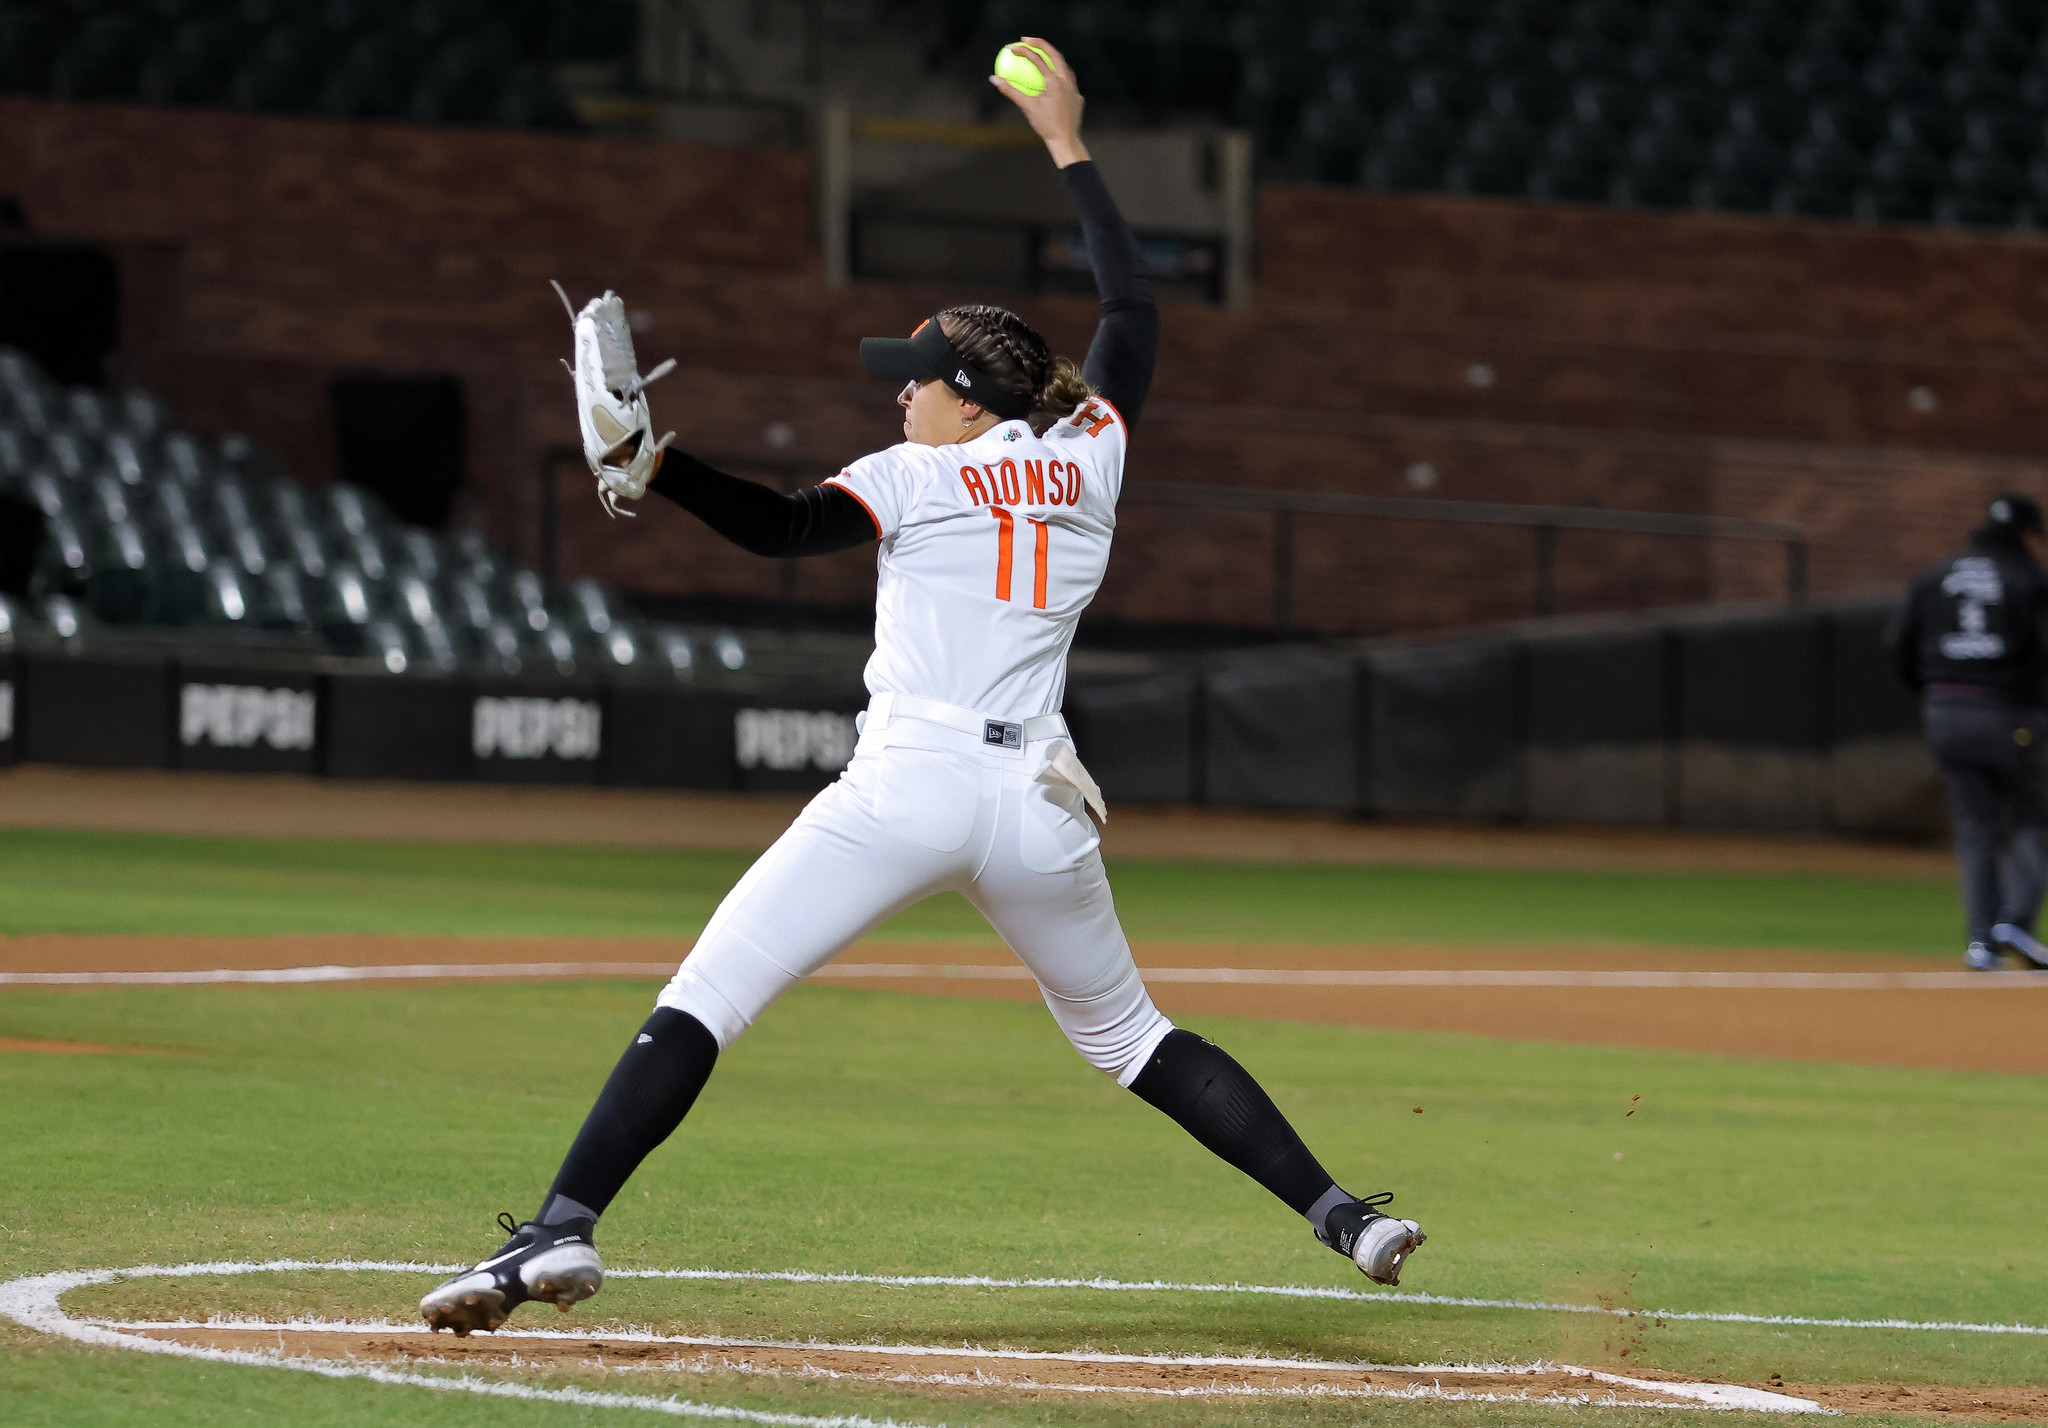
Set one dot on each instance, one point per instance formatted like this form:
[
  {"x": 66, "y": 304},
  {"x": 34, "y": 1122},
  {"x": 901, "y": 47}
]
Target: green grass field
[
  {"x": 880, "y": 1133},
  {"x": 140, "y": 883}
]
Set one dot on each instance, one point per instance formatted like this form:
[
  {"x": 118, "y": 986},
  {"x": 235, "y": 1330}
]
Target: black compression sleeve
[
  {"x": 1216, "y": 1101},
  {"x": 644, "y": 1100},
  {"x": 815, "y": 521},
  {"x": 1126, "y": 345}
]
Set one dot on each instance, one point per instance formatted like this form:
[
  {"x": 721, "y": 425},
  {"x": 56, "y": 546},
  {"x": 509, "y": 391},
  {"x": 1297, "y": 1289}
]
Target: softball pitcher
[{"x": 994, "y": 517}]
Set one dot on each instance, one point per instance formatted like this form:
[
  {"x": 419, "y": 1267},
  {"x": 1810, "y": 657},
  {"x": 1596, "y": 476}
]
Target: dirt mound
[
  {"x": 1983, "y": 1404},
  {"x": 1008, "y": 1371}
]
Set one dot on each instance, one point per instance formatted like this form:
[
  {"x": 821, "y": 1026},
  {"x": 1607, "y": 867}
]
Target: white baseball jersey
[{"x": 991, "y": 550}]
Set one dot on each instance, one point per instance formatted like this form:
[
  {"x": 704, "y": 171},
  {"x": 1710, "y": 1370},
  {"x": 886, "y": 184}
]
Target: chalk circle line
[{"x": 33, "y": 1301}]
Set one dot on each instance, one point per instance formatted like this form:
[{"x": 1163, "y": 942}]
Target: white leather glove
[{"x": 611, "y": 402}]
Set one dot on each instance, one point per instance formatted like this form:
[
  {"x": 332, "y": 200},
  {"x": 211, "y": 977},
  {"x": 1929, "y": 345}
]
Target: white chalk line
[
  {"x": 1313, "y": 1291},
  {"x": 33, "y": 1302},
  {"x": 1222, "y": 976},
  {"x": 1468, "y": 977},
  {"x": 1711, "y": 1394},
  {"x": 404, "y": 972}
]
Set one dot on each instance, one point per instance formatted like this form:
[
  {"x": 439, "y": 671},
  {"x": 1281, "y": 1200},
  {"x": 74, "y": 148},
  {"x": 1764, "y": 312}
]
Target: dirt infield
[
  {"x": 967, "y": 1369},
  {"x": 1055, "y": 1374},
  {"x": 285, "y": 806},
  {"x": 1993, "y": 1027}
]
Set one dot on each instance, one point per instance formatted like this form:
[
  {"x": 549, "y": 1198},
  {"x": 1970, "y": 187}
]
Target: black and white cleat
[
  {"x": 1378, "y": 1244},
  {"x": 552, "y": 1264}
]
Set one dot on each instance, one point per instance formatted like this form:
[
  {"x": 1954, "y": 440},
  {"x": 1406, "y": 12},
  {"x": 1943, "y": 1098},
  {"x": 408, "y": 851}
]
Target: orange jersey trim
[{"x": 835, "y": 482}]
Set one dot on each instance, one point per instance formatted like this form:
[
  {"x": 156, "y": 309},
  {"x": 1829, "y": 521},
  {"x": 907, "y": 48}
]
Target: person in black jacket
[{"x": 1972, "y": 640}]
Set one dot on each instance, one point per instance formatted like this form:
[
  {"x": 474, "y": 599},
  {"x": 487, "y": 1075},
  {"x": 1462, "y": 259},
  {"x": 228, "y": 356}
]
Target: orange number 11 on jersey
[{"x": 1006, "y": 553}]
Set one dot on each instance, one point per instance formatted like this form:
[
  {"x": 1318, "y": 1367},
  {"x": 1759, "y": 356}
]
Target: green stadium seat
[
  {"x": 1986, "y": 190},
  {"x": 284, "y": 73},
  {"x": 1823, "y": 179},
  {"x": 1851, "y": 123},
  {"x": 1331, "y": 142},
  {"x": 198, "y": 64},
  {"x": 376, "y": 76},
  {"x": 1904, "y": 179},
  {"x": 1743, "y": 173},
  {"x": 1495, "y": 160},
  {"x": 1577, "y": 163},
  {"x": 462, "y": 81},
  {"x": 1661, "y": 168},
  {"x": 104, "y": 59},
  {"x": 1412, "y": 153},
  {"x": 29, "y": 41}
]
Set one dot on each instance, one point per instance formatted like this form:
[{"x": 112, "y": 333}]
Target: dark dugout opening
[
  {"x": 61, "y": 304},
  {"x": 402, "y": 438}
]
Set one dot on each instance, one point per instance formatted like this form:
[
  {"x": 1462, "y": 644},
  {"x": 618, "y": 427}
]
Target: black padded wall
[
  {"x": 1751, "y": 722},
  {"x": 666, "y": 736},
  {"x": 1140, "y": 738},
  {"x": 1283, "y": 733},
  {"x": 375, "y": 726},
  {"x": 1445, "y": 732},
  {"x": 1881, "y": 779},
  {"x": 1597, "y": 716},
  {"x": 1865, "y": 696},
  {"x": 113, "y": 713},
  {"x": 1753, "y": 681}
]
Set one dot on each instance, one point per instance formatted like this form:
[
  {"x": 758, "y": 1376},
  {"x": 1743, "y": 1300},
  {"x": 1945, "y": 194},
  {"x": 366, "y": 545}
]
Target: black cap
[
  {"x": 926, "y": 356},
  {"x": 2020, "y": 514}
]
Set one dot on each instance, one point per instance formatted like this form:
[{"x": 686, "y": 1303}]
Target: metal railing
[{"x": 1544, "y": 522}]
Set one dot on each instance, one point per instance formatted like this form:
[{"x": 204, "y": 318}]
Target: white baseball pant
[{"x": 923, "y": 809}]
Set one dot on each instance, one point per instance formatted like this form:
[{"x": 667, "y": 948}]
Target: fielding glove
[{"x": 611, "y": 402}]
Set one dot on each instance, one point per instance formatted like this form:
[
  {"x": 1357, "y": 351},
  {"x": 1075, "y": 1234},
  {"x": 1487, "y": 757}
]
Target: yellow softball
[{"x": 1023, "y": 74}]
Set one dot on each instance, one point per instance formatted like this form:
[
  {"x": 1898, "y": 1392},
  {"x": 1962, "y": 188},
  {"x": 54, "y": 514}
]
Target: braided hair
[{"x": 1016, "y": 358}]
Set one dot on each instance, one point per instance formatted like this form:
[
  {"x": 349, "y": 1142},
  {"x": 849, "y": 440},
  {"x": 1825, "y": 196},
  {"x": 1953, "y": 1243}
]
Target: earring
[{"x": 967, "y": 421}]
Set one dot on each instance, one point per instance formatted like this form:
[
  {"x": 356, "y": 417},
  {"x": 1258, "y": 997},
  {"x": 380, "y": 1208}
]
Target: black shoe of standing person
[{"x": 2014, "y": 938}]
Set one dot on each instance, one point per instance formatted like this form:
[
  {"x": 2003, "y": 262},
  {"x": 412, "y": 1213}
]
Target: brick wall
[{"x": 1724, "y": 365}]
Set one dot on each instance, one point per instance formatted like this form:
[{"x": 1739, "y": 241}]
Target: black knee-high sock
[
  {"x": 1218, "y": 1103},
  {"x": 645, "y": 1099}
]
